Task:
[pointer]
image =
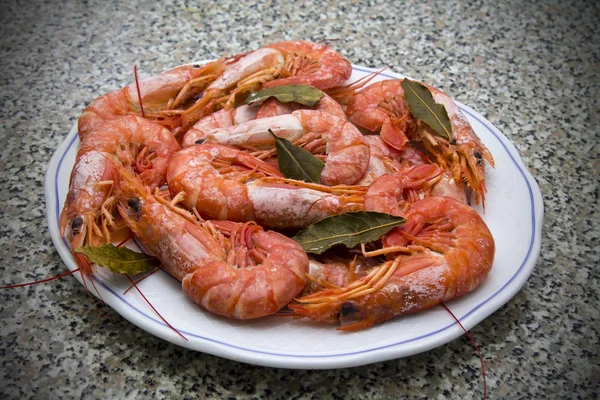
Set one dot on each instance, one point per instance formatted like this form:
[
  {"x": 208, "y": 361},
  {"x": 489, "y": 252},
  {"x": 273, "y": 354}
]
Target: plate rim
[{"x": 325, "y": 361}]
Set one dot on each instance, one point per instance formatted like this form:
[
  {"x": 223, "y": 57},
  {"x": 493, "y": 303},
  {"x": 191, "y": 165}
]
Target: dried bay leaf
[
  {"x": 303, "y": 94},
  {"x": 349, "y": 229},
  {"x": 422, "y": 106},
  {"x": 119, "y": 260},
  {"x": 297, "y": 163}
]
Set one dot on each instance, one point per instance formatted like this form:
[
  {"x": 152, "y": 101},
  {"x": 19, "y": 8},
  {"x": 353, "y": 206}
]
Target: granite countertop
[{"x": 531, "y": 68}]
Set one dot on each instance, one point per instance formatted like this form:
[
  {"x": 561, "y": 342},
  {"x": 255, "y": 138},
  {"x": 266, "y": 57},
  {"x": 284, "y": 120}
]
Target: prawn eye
[
  {"x": 477, "y": 155},
  {"x": 200, "y": 141},
  {"x": 135, "y": 204},
  {"x": 196, "y": 66},
  {"x": 452, "y": 141},
  {"x": 348, "y": 309},
  {"x": 350, "y": 313},
  {"x": 77, "y": 223}
]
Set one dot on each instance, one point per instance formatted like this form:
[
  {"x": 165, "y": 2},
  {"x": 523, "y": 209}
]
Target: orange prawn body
[
  {"x": 318, "y": 131},
  {"x": 213, "y": 178},
  {"x": 311, "y": 64},
  {"x": 111, "y": 126},
  {"x": 225, "y": 183},
  {"x": 236, "y": 270},
  {"x": 449, "y": 252},
  {"x": 86, "y": 217},
  {"x": 158, "y": 93},
  {"x": 282, "y": 63},
  {"x": 381, "y": 107}
]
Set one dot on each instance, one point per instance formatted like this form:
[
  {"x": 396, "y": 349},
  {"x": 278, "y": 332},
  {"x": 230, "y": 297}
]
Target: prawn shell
[{"x": 453, "y": 256}]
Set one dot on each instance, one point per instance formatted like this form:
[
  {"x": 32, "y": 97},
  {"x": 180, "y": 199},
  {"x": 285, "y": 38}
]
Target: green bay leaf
[
  {"x": 119, "y": 260},
  {"x": 303, "y": 94},
  {"x": 422, "y": 106},
  {"x": 296, "y": 162},
  {"x": 349, "y": 229}
]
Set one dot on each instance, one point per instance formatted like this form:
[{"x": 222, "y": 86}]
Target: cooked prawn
[
  {"x": 464, "y": 153},
  {"x": 221, "y": 182},
  {"x": 236, "y": 270},
  {"x": 158, "y": 93},
  {"x": 386, "y": 160},
  {"x": 450, "y": 251},
  {"x": 283, "y": 63},
  {"x": 311, "y": 64},
  {"x": 317, "y": 131},
  {"x": 86, "y": 217},
  {"x": 213, "y": 178},
  {"x": 381, "y": 107},
  {"x": 219, "y": 119}
]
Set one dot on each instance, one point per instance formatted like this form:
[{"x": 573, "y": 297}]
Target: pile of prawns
[{"x": 215, "y": 226}]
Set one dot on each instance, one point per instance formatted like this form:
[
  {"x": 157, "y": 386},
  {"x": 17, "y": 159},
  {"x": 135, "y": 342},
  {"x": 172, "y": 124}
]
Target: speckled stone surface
[{"x": 532, "y": 68}]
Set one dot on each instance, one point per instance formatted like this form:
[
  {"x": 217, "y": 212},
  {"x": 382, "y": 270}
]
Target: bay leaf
[
  {"x": 119, "y": 260},
  {"x": 296, "y": 162},
  {"x": 422, "y": 106},
  {"x": 303, "y": 94},
  {"x": 349, "y": 229}
]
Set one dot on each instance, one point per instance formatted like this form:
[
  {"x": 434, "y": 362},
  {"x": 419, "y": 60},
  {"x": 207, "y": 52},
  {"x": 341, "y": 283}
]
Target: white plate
[{"x": 513, "y": 213}]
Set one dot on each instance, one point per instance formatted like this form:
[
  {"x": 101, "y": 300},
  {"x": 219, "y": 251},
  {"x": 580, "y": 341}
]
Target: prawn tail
[
  {"x": 419, "y": 180},
  {"x": 393, "y": 133}
]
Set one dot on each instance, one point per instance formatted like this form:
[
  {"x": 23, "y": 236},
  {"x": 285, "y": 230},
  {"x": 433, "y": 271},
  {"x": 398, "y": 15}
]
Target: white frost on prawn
[
  {"x": 294, "y": 207},
  {"x": 425, "y": 283},
  {"x": 255, "y": 133}
]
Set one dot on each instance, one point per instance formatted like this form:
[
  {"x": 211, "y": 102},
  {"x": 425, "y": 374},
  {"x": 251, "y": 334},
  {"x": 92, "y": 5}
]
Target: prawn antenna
[
  {"x": 139, "y": 92},
  {"x": 326, "y": 40},
  {"x": 155, "y": 310},
  {"x": 41, "y": 281},
  {"x": 474, "y": 345}
]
